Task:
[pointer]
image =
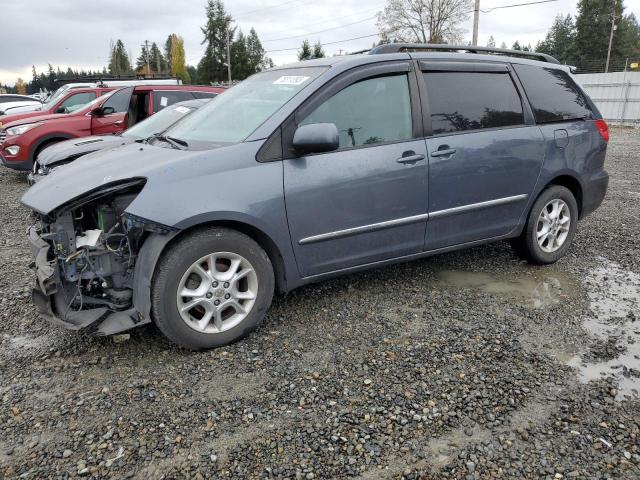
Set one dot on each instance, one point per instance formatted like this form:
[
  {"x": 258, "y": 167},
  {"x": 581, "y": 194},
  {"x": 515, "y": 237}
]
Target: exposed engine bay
[{"x": 86, "y": 254}]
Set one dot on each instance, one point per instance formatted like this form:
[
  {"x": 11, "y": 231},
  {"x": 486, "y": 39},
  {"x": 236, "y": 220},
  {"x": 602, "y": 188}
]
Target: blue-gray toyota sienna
[{"x": 313, "y": 170}]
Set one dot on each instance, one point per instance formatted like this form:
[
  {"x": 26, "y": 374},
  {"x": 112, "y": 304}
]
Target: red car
[
  {"x": 66, "y": 101},
  {"x": 22, "y": 140}
]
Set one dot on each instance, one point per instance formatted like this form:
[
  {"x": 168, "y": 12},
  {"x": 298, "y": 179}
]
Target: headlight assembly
[{"x": 20, "y": 129}]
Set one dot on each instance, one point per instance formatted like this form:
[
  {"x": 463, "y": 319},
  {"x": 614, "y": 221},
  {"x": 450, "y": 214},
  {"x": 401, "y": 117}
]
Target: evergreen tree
[
  {"x": 503, "y": 45},
  {"x": 593, "y": 27},
  {"x": 143, "y": 60},
  {"x": 119, "y": 63},
  {"x": 240, "y": 65},
  {"x": 193, "y": 72},
  {"x": 559, "y": 42},
  {"x": 157, "y": 60},
  {"x": 491, "y": 42},
  {"x": 305, "y": 52},
  {"x": 318, "y": 52},
  {"x": 516, "y": 46},
  {"x": 167, "y": 52},
  {"x": 257, "y": 59},
  {"x": 213, "y": 66}
]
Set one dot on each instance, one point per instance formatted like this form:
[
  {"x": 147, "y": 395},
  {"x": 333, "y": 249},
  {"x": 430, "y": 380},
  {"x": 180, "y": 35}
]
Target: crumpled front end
[{"x": 84, "y": 260}]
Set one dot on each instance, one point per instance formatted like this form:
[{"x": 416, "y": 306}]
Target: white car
[{"x": 9, "y": 102}]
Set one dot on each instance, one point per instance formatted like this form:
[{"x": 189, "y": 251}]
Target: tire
[
  {"x": 187, "y": 265},
  {"x": 527, "y": 245}
]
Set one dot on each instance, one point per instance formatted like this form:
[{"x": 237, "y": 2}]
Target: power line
[
  {"x": 250, "y": 12},
  {"x": 330, "y": 20},
  {"x": 326, "y": 43},
  {"x": 514, "y": 5},
  {"x": 320, "y": 31}
]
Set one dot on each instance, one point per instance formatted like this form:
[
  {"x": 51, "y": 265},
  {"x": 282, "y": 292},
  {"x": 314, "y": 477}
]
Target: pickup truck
[{"x": 21, "y": 141}]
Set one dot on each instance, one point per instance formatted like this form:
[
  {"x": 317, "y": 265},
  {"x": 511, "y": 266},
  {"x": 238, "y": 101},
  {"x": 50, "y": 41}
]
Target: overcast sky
[{"x": 75, "y": 33}]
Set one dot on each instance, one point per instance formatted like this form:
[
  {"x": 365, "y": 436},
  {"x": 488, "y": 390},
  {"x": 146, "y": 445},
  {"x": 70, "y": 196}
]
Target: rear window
[
  {"x": 553, "y": 95},
  {"x": 460, "y": 101},
  {"x": 204, "y": 94},
  {"x": 164, "y": 98}
]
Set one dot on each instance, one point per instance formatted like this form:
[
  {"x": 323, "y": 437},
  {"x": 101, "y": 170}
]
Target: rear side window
[
  {"x": 163, "y": 99},
  {"x": 371, "y": 111},
  {"x": 460, "y": 101},
  {"x": 553, "y": 95}
]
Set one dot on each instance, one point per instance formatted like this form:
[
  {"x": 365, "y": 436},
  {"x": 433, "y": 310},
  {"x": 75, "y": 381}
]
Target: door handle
[
  {"x": 410, "y": 157},
  {"x": 119, "y": 122},
  {"x": 443, "y": 153}
]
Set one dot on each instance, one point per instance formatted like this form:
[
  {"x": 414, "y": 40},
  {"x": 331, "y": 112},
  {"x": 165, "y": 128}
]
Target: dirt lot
[{"x": 467, "y": 365}]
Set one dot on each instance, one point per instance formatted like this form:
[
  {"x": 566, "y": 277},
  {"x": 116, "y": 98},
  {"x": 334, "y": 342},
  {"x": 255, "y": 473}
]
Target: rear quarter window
[
  {"x": 553, "y": 95},
  {"x": 164, "y": 98}
]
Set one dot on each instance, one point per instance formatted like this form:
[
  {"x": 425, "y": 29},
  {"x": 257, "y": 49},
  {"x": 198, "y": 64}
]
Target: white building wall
[{"x": 616, "y": 94}]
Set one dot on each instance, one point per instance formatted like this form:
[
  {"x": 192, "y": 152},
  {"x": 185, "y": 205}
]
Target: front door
[
  {"x": 367, "y": 201},
  {"x": 114, "y": 119},
  {"x": 485, "y": 154}
]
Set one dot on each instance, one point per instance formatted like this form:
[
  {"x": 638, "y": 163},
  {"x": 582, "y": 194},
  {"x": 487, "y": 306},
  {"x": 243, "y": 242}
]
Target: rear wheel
[
  {"x": 212, "y": 288},
  {"x": 550, "y": 228}
]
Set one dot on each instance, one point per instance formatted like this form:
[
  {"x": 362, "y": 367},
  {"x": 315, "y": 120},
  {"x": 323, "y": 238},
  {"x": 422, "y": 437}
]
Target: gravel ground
[{"x": 466, "y": 365}]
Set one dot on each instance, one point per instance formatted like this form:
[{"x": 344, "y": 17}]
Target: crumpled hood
[
  {"x": 111, "y": 166},
  {"x": 74, "y": 148}
]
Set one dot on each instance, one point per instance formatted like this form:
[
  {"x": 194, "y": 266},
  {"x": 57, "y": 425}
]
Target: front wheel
[
  {"x": 551, "y": 227},
  {"x": 211, "y": 288}
]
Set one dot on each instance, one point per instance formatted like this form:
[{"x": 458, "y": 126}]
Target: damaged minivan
[{"x": 309, "y": 171}]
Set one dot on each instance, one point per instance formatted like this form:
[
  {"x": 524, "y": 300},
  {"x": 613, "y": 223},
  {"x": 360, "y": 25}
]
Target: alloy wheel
[{"x": 553, "y": 225}]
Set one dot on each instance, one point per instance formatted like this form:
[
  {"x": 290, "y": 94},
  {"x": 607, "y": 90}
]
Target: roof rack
[{"x": 401, "y": 47}]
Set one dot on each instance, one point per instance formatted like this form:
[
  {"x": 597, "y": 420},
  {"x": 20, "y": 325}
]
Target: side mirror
[
  {"x": 316, "y": 138},
  {"x": 60, "y": 110},
  {"x": 102, "y": 111}
]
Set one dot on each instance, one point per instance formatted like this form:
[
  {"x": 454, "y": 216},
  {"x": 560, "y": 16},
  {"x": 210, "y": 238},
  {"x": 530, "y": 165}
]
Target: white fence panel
[{"x": 616, "y": 94}]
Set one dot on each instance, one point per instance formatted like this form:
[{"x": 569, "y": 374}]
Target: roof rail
[{"x": 400, "y": 47}]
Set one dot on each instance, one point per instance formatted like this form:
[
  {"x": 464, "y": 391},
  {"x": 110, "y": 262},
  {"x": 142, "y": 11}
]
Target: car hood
[
  {"x": 33, "y": 117},
  {"x": 103, "y": 168},
  {"x": 71, "y": 149}
]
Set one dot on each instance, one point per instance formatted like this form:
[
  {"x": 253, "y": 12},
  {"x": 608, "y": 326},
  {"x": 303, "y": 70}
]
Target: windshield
[
  {"x": 53, "y": 99},
  {"x": 236, "y": 113},
  {"x": 158, "y": 122}
]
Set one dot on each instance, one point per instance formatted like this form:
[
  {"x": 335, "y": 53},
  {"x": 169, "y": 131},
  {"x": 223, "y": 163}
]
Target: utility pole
[
  {"x": 613, "y": 28},
  {"x": 229, "y": 54},
  {"x": 476, "y": 15},
  {"x": 146, "y": 56}
]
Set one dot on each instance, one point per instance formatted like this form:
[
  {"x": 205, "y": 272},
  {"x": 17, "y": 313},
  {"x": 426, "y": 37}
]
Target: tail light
[{"x": 603, "y": 129}]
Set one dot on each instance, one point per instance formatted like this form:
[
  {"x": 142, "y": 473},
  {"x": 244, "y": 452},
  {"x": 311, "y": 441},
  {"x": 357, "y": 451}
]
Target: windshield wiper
[{"x": 174, "y": 142}]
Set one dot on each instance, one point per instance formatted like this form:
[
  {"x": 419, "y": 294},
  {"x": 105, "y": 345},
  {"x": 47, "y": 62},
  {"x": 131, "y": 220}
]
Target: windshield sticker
[
  {"x": 291, "y": 80},
  {"x": 164, "y": 101},
  {"x": 181, "y": 109}
]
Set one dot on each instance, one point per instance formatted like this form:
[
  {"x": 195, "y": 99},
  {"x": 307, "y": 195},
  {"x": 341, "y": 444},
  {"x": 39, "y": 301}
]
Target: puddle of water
[
  {"x": 539, "y": 289},
  {"x": 614, "y": 294}
]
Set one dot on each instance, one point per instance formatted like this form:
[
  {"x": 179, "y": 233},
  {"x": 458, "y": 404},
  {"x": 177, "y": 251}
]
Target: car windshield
[
  {"x": 236, "y": 113},
  {"x": 159, "y": 122},
  {"x": 55, "y": 97}
]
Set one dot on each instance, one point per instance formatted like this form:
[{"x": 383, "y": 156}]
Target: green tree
[
  {"x": 491, "y": 42},
  {"x": 305, "y": 52},
  {"x": 257, "y": 59},
  {"x": 560, "y": 40},
  {"x": 213, "y": 65},
  {"x": 141, "y": 61},
  {"x": 119, "y": 63},
  {"x": 516, "y": 46},
  {"x": 240, "y": 62},
  {"x": 158, "y": 62},
  {"x": 318, "y": 52},
  {"x": 593, "y": 27}
]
